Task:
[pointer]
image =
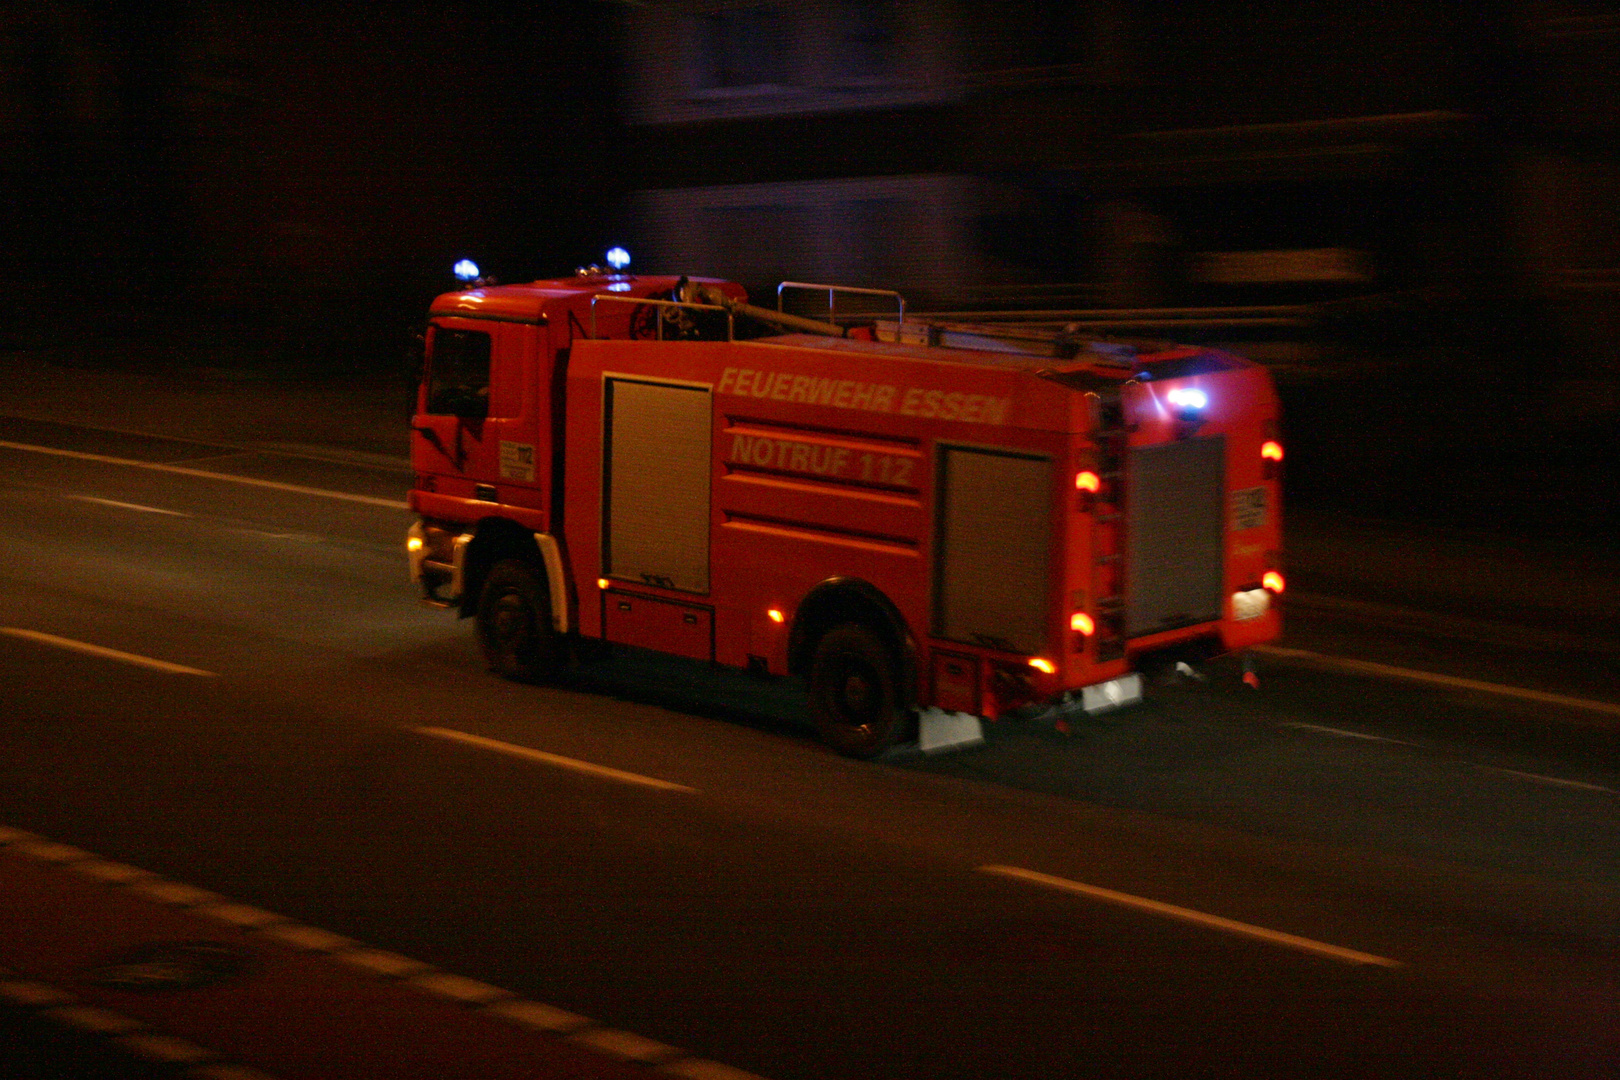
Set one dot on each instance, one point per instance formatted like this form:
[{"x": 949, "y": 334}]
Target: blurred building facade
[
  {"x": 1440, "y": 156},
  {"x": 1453, "y": 159}
]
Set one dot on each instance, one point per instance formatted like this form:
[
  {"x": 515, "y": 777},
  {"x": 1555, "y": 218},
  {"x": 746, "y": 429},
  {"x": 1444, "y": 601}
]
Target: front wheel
[
  {"x": 854, "y": 696},
  {"x": 514, "y": 622}
]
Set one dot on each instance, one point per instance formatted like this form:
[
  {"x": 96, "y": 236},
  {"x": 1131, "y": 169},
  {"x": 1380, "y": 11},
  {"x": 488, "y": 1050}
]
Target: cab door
[{"x": 474, "y": 426}]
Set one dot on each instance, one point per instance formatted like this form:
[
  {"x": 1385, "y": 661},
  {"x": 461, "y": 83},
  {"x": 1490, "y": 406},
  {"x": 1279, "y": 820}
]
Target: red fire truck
[{"x": 919, "y": 518}]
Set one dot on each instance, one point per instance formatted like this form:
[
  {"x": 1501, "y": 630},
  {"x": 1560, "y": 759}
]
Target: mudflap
[
  {"x": 1111, "y": 695},
  {"x": 938, "y": 730}
]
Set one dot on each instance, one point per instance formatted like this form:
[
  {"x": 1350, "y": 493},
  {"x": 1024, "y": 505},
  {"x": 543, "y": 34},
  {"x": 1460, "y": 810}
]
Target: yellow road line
[
  {"x": 1214, "y": 922},
  {"x": 204, "y": 474},
  {"x": 1389, "y": 671},
  {"x": 103, "y": 652},
  {"x": 529, "y": 754}
]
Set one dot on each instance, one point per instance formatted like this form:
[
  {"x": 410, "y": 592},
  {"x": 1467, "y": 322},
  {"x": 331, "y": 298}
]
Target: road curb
[{"x": 138, "y": 1036}]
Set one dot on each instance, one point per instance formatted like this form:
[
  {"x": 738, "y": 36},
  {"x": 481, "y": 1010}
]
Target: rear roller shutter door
[{"x": 1175, "y": 535}]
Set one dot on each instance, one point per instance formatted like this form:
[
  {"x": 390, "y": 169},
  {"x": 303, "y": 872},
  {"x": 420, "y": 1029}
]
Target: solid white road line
[
  {"x": 103, "y": 652},
  {"x": 1367, "y": 667},
  {"x": 1214, "y": 922},
  {"x": 529, "y": 754},
  {"x": 128, "y": 506},
  {"x": 204, "y": 474}
]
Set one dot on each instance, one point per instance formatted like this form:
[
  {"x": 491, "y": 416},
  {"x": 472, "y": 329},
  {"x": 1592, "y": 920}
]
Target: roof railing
[{"x": 833, "y": 292}]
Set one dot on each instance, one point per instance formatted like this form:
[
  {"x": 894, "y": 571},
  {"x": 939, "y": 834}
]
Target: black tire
[
  {"x": 514, "y": 622},
  {"x": 854, "y": 694}
]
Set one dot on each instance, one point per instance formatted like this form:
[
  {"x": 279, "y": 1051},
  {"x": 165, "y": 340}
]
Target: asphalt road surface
[{"x": 1399, "y": 857}]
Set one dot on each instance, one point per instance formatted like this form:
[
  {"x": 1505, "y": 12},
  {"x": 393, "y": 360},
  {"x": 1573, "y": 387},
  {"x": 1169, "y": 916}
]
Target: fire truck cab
[{"x": 911, "y": 515}]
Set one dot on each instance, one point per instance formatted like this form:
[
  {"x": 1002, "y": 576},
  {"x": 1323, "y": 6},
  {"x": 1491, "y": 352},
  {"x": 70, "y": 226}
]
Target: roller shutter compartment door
[
  {"x": 656, "y": 506},
  {"x": 1175, "y": 538},
  {"x": 994, "y": 558}
]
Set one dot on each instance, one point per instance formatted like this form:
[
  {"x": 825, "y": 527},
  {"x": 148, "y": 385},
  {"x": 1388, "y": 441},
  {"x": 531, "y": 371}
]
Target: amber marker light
[
  {"x": 1042, "y": 664},
  {"x": 1271, "y": 450},
  {"x": 601, "y": 583},
  {"x": 1082, "y": 623},
  {"x": 1088, "y": 481},
  {"x": 1272, "y": 581},
  {"x": 414, "y": 544},
  {"x": 776, "y": 615}
]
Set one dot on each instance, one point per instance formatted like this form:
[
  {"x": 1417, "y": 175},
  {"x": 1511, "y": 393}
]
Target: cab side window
[{"x": 458, "y": 373}]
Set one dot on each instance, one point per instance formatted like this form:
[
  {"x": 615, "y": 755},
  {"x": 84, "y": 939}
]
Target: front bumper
[{"x": 438, "y": 559}]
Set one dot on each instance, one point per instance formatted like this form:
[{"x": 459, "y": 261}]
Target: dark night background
[
  {"x": 224, "y": 223},
  {"x": 283, "y": 187}
]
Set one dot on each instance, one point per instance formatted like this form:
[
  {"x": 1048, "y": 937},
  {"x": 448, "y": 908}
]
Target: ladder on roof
[
  {"x": 990, "y": 332},
  {"x": 1051, "y": 342}
]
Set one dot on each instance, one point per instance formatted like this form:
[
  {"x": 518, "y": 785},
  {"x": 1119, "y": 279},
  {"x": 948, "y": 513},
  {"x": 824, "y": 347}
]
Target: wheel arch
[
  {"x": 494, "y": 539},
  {"x": 840, "y": 600}
]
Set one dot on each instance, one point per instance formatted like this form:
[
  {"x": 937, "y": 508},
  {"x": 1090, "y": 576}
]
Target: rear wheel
[
  {"x": 854, "y": 695},
  {"x": 514, "y": 622}
]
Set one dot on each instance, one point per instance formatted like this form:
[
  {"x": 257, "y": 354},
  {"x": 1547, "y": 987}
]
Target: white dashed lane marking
[
  {"x": 1345, "y": 734},
  {"x": 1189, "y": 915},
  {"x": 102, "y": 652},
  {"x": 530, "y": 754},
  {"x": 1390, "y": 671},
  {"x": 128, "y": 506},
  {"x": 1539, "y": 778},
  {"x": 1556, "y": 781},
  {"x": 204, "y": 474}
]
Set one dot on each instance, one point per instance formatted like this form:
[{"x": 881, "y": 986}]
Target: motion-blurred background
[{"x": 1411, "y": 211}]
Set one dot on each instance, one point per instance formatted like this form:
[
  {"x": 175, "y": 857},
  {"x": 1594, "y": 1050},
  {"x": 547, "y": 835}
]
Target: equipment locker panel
[
  {"x": 994, "y": 563},
  {"x": 1174, "y": 535},
  {"x": 657, "y": 469},
  {"x": 654, "y": 623}
]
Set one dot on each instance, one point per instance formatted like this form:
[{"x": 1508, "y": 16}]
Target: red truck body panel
[{"x": 700, "y": 490}]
